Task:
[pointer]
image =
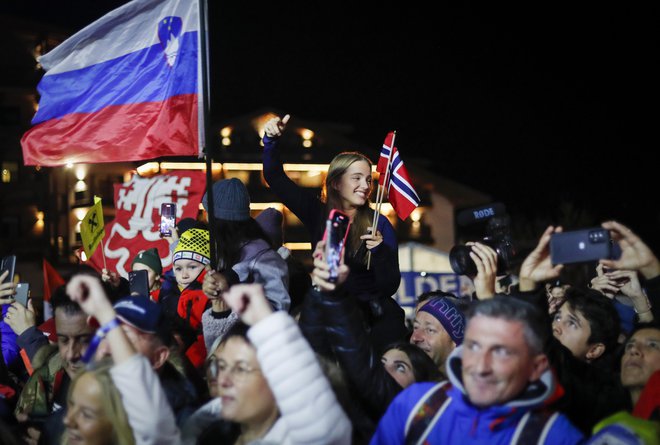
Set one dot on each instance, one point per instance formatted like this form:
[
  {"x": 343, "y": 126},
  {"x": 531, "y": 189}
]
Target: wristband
[{"x": 98, "y": 337}]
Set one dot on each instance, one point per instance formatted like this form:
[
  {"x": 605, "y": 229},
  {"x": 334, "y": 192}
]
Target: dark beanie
[
  {"x": 151, "y": 258},
  {"x": 185, "y": 224},
  {"x": 270, "y": 221},
  {"x": 231, "y": 200},
  {"x": 449, "y": 316}
]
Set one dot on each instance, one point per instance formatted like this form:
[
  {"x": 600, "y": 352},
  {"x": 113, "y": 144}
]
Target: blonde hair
[
  {"x": 110, "y": 402},
  {"x": 364, "y": 215}
]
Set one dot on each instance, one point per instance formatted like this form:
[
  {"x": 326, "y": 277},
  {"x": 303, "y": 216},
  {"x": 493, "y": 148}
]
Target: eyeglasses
[{"x": 238, "y": 372}]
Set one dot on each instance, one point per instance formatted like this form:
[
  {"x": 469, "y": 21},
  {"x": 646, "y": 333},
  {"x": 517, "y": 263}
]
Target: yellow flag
[{"x": 91, "y": 227}]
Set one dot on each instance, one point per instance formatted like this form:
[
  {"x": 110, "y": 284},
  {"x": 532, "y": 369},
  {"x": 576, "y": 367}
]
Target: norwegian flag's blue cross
[{"x": 399, "y": 179}]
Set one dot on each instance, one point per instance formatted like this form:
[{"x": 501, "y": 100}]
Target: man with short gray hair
[{"x": 499, "y": 386}]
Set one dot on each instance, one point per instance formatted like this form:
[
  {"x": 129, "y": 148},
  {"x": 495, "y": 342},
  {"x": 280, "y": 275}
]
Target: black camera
[{"x": 498, "y": 238}]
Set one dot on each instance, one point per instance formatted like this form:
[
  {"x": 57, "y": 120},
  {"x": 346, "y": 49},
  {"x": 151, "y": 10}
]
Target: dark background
[{"x": 551, "y": 109}]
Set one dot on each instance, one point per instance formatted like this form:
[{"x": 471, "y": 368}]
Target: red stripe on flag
[{"x": 129, "y": 132}]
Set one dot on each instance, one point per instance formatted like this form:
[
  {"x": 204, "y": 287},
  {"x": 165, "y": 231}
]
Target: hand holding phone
[
  {"x": 8, "y": 263},
  {"x": 336, "y": 230},
  {"x": 138, "y": 283},
  {"x": 167, "y": 218},
  {"x": 22, "y": 293},
  {"x": 579, "y": 246}
]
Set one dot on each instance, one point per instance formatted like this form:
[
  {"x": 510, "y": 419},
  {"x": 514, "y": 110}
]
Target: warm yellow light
[
  {"x": 81, "y": 172},
  {"x": 39, "y": 225},
  {"x": 306, "y": 167},
  {"x": 264, "y": 205},
  {"x": 226, "y": 141},
  {"x": 307, "y": 143},
  {"x": 298, "y": 246},
  {"x": 242, "y": 166},
  {"x": 148, "y": 168},
  {"x": 6, "y": 175},
  {"x": 307, "y": 134},
  {"x": 225, "y": 132},
  {"x": 80, "y": 186},
  {"x": 416, "y": 215},
  {"x": 183, "y": 166},
  {"x": 78, "y": 224},
  {"x": 385, "y": 208},
  {"x": 80, "y": 213},
  {"x": 69, "y": 165}
]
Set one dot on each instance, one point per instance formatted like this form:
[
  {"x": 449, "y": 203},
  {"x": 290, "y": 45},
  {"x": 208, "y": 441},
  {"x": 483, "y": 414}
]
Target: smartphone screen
[
  {"x": 167, "y": 218},
  {"x": 580, "y": 246},
  {"x": 336, "y": 231},
  {"x": 22, "y": 293},
  {"x": 138, "y": 283},
  {"x": 8, "y": 263}
]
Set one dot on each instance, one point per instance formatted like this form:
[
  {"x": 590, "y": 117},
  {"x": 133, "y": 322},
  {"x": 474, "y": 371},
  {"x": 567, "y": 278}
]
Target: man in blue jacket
[{"x": 499, "y": 386}]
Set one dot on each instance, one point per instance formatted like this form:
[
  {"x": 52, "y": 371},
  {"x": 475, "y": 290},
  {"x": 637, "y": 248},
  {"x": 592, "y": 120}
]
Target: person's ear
[
  {"x": 539, "y": 365},
  {"x": 595, "y": 351},
  {"x": 160, "y": 356}
]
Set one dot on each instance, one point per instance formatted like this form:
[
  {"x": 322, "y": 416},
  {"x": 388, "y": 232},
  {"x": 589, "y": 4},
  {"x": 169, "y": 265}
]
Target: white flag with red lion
[{"x": 136, "y": 224}]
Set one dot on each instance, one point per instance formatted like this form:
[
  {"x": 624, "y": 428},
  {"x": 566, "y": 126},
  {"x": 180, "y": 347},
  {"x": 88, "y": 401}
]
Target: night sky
[{"x": 550, "y": 109}]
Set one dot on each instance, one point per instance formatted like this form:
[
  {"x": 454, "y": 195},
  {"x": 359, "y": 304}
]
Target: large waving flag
[{"x": 124, "y": 88}]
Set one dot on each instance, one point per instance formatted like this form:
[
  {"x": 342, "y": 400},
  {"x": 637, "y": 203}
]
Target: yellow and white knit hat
[{"x": 194, "y": 244}]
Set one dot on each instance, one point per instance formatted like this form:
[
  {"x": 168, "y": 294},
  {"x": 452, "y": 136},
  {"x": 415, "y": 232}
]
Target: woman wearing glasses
[{"x": 270, "y": 388}]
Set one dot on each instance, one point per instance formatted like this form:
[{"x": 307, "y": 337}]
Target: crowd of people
[{"x": 257, "y": 350}]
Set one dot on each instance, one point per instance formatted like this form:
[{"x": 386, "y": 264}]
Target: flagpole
[
  {"x": 105, "y": 266},
  {"x": 206, "y": 148},
  {"x": 380, "y": 194}
]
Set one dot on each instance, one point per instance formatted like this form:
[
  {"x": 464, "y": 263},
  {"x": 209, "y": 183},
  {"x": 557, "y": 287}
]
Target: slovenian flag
[{"x": 125, "y": 88}]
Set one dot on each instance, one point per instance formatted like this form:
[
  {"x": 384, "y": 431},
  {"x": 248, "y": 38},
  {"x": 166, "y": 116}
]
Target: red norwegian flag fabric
[{"x": 381, "y": 167}]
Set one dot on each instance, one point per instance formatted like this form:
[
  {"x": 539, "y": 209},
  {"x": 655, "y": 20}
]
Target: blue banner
[{"x": 416, "y": 283}]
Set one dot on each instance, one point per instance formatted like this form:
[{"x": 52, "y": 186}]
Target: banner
[
  {"x": 136, "y": 224},
  {"x": 124, "y": 88},
  {"x": 415, "y": 283}
]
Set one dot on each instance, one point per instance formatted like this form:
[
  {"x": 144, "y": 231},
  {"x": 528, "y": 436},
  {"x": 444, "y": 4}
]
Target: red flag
[
  {"x": 402, "y": 195},
  {"x": 137, "y": 218},
  {"x": 384, "y": 157},
  {"x": 52, "y": 280}
]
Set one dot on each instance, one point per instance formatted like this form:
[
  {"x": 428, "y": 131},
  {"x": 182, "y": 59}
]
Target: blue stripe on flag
[
  {"x": 404, "y": 188},
  {"x": 142, "y": 76}
]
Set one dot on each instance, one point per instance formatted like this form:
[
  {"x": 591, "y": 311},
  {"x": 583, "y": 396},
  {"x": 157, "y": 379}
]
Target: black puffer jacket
[{"x": 335, "y": 328}]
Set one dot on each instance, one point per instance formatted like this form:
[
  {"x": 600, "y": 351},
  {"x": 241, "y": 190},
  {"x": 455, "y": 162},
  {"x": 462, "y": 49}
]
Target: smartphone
[
  {"x": 167, "y": 218},
  {"x": 579, "y": 246},
  {"x": 22, "y": 293},
  {"x": 138, "y": 283},
  {"x": 336, "y": 231},
  {"x": 8, "y": 263}
]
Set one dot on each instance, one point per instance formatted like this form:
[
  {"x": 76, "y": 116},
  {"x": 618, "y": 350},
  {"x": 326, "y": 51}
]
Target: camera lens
[{"x": 460, "y": 261}]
